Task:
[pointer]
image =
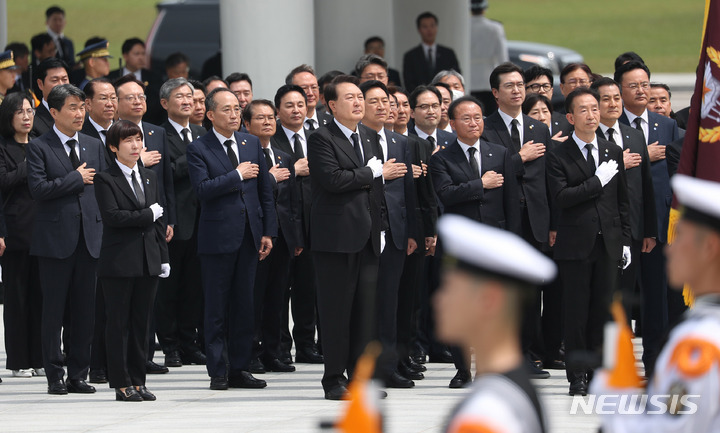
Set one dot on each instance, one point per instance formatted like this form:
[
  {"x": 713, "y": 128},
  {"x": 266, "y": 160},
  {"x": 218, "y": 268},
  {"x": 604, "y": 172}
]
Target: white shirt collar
[
  {"x": 178, "y": 127},
  {"x": 426, "y": 47},
  {"x": 314, "y": 117},
  {"x": 291, "y": 134},
  {"x": 127, "y": 171},
  {"x": 44, "y": 102},
  {"x": 138, "y": 73},
  {"x": 272, "y": 153},
  {"x": 581, "y": 144},
  {"x": 222, "y": 139},
  {"x": 346, "y": 131},
  {"x": 507, "y": 119},
  {"x": 631, "y": 117},
  {"x": 53, "y": 34},
  {"x": 616, "y": 132},
  {"x": 99, "y": 128},
  {"x": 424, "y": 136},
  {"x": 64, "y": 138}
]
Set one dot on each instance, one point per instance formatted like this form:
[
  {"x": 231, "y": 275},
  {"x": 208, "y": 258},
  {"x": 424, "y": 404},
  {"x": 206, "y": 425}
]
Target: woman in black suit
[
  {"x": 133, "y": 254},
  {"x": 23, "y": 298}
]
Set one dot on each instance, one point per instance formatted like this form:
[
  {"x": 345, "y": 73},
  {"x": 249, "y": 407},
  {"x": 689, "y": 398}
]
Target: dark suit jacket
[
  {"x": 154, "y": 138},
  {"x": 288, "y": 204},
  {"x": 43, "y": 121},
  {"x": 89, "y": 129},
  {"x": 444, "y": 138},
  {"x": 400, "y": 197},
  {"x": 426, "y": 210},
  {"x": 68, "y": 52},
  {"x": 346, "y": 199},
  {"x": 131, "y": 242},
  {"x": 303, "y": 184},
  {"x": 663, "y": 130},
  {"x": 461, "y": 191},
  {"x": 586, "y": 206},
  {"x": 155, "y": 113},
  {"x": 641, "y": 195},
  {"x": 530, "y": 176},
  {"x": 18, "y": 205},
  {"x": 185, "y": 201},
  {"x": 416, "y": 70},
  {"x": 560, "y": 124},
  {"x": 62, "y": 197},
  {"x": 226, "y": 202}
]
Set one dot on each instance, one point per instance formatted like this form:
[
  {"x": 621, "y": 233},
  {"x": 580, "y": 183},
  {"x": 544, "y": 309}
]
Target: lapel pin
[
  {"x": 146, "y": 83},
  {"x": 442, "y": 147},
  {"x": 489, "y": 154},
  {"x": 531, "y": 126},
  {"x": 627, "y": 136},
  {"x": 393, "y": 139},
  {"x": 151, "y": 132},
  {"x": 656, "y": 124},
  {"x": 243, "y": 142},
  {"x": 279, "y": 157},
  {"x": 83, "y": 149},
  {"x": 147, "y": 181}
]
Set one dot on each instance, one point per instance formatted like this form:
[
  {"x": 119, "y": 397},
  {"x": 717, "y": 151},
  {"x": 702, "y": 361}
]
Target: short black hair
[
  {"x": 373, "y": 39},
  {"x": 458, "y": 101},
  {"x": 210, "y": 79},
  {"x": 604, "y": 81},
  {"x": 287, "y": 88},
  {"x": 580, "y": 91},
  {"x": 247, "y": 113},
  {"x": 445, "y": 86},
  {"x": 330, "y": 91},
  {"x": 18, "y": 48},
  {"x": 60, "y": 93},
  {"x": 630, "y": 66},
  {"x": 38, "y": 42},
  {"x": 537, "y": 71},
  {"x": 570, "y": 67},
  {"x": 328, "y": 77},
  {"x": 424, "y": 15},
  {"x": 121, "y": 130},
  {"x": 628, "y": 56},
  {"x": 534, "y": 98},
  {"x": 128, "y": 78},
  {"x": 12, "y": 103},
  {"x": 367, "y": 60},
  {"x": 503, "y": 68},
  {"x": 130, "y": 43},
  {"x": 47, "y": 64},
  {"x": 89, "y": 88},
  {"x": 297, "y": 70},
  {"x": 53, "y": 10},
  {"x": 238, "y": 76},
  {"x": 198, "y": 85},
  {"x": 661, "y": 86},
  {"x": 175, "y": 59},
  {"x": 373, "y": 84},
  {"x": 412, "y": 99}
]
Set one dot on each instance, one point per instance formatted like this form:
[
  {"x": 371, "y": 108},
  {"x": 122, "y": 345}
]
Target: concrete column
[
  {"x": 342, "y": 27},
  {"x": 3, "y": 24},
  {"x": 264, "y": 40},
  {"x": 453, "y": 28}
]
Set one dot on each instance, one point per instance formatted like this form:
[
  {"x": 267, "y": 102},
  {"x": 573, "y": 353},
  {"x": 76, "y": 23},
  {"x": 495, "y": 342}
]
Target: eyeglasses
[
  {"x": 132, "y": 98},
  {"x": 30, "y": 112},
  {"x": 467, "y": 119},
  {"x": 426, "y": 107},
  {"x": 381, "y": 76},
  {"x": 576, "y": 82},
  {"x": 537, "y": 87},
  {"x": 634, "y": 86},
  {"x": 105, "y": 99}
]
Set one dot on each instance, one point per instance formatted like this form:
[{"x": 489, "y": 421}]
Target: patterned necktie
[{"x": 231, "y": 154}]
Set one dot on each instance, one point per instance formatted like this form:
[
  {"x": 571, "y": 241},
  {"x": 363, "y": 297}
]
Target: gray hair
[
  {"x": 367, "y": 60},
  {"x": 173, "y": 84},
  {"x": 442, "y": 74},
  {"x": 58, "y": 95}
]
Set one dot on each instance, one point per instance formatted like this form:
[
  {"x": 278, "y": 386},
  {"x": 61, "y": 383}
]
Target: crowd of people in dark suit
[{"x": 195, "y": 212}]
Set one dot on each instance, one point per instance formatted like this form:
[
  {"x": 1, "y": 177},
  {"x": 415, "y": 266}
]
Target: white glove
[
  {"x": 382, "y": 241},
  {"x": 157, "y": 211},
  {"x": 376, "y": 166},
  {"x": 606, "y": 171},
  {"x": 626, "y": 257},
  {"x": 164, "y": 270}
]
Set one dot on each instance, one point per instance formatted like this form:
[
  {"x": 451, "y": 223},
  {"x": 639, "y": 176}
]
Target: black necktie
[
  {"x": 515, "y": 134},
  {"x": 356, "y": 145},
  {"x": 380, "y": 149},
  {"x": 611, "y": 135},
  {"x": 638, "y": 126},
  {"x": 310, "y": 124},
  {"x": 430, "y": 59},
  {"x": 268, "y": 160},
  {"x": 185, "y": 133},
  {"x": 473, "y": 162},
  {"x": 431, "y": 139},
  {"x": 297, "y": 147},
  {"x": 590, "y": 158},
  {"x": 74, "y": 160},
  {"x": 138, "y": 190},
  {"x": 231, "y": 154}
]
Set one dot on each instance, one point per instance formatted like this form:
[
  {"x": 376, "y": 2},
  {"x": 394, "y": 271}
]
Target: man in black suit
[
  {"x": 55, "y": 22},
  {"x": 421, "y": 63},
  {"x": 586, "y": 177},
  {"x": 133, "y": 53},
  {"x": 291, "y": 137},
  {"x": 66, "y": 236},
  {"x": 643, "y": 220},
  {"x": 241, "y": 85},
  {"x": 304, "y": 76},
  {"x": 178, "y": 310},
  {"x": 376, "y": 45},
  {"x": 658, "y": 131},
  {"x": 237, "y": 222},
  {"x": 399, "y": 196},
  {"x": 426, "y": 106},
  {"x": 346, "y": 192},
  {"x": 50, "y": 73},
  {"x": 272, "y": 278},
  {"x": 372, "y": 67}
]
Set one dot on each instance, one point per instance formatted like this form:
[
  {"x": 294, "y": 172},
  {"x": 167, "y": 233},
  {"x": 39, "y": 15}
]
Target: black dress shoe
[
  {"x": 218, "y": 383},
  {"x": 578, "y": 387},
  {"x": 145, "y": 394},
  {"x": 409, "y": 373},
  {"x": 278, "y": 366},
  {"x": 534, "y": 372},
  {"x": 419, "y": 357},
  {"x": 79, "y": 387},
  {"x": 442, "y": 356},
  {"x": 397, "y": 381},
  {"x": 172, "y": 359},
  {"x": 286, "y": 358},
  {"x": 308, "y": 356},
  {"x": 128, "y": 395},
  {"x": 57, "y": 388},
  {"x": 554, "y": 364},
  {"x": 337, "y": 393},
  {"x": 153, "y": 368},
  {"x": 415, "y": 366},
  {"x": 245, "y": 380},
  {"x": 196, "y": 358},
  {"x": 462, "y": 378},
  {"x": 98, "y": 376},
  {"x": 256, "y": 366}
]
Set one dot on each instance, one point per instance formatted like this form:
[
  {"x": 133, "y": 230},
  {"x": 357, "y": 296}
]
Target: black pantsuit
[
  {"x": 271, "y": 281},
  {"x": 23, "y": 310}
]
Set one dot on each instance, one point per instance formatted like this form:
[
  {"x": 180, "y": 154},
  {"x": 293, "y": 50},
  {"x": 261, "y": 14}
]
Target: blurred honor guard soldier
[
  {"x": 95, "y": 61},
  {"x": 7, "y": 73},
  {"x": 685, "y": 386},
  {"x": 423, "y": 62},
  {"x": 488, "y": 274},
  {"x": 66, "y": 236},
  {"x": 237, "y": 221}
]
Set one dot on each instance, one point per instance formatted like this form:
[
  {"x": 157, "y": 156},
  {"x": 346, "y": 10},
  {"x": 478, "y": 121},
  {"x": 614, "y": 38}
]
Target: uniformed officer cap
[
  {"x": 99, "y": 49},
  {"x": 7, "y": 60},
  {"x": 489, "y": 251},
  {"x": 699, "y": 199}
]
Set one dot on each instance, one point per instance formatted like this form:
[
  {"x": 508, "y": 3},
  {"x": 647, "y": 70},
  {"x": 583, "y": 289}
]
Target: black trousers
[
  {"x": 630, "y": 280},
  {"x": 588, "y": 288},
  {"x": 128, "y": 306},
  {"x": 70, "y": 283},
  {"x": 178, "y": 309},
  {"x": 409, "y": 298},
  {"x": 552, "y": 319},
  {"x": 229, "y": 317},
  {"x": 346, "y": 288},
  {"x": 655, "y": 320},
  {"x": 98, "y": 354},
  {"x": 303, "y": 300},
  {"x": 271, "y": 282},
  {"x": 22, "y": 310}
]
